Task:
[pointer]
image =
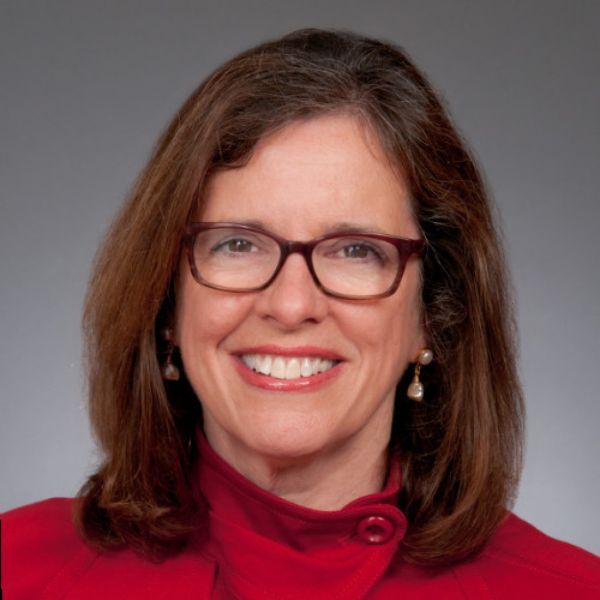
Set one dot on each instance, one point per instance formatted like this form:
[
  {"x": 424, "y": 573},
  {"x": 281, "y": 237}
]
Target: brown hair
[{"x": 460, "y": 448}]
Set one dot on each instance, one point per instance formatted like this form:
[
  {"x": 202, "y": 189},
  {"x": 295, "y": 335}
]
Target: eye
[
  {"x": 359, "y": 250},
  {"x": 355, "y": 250},
  {"x": 234, "y": 246},
  {"x": 237, "y": 245}
]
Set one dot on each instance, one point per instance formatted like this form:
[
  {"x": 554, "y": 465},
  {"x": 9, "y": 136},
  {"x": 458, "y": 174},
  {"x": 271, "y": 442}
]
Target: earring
[
  {"x": 168, "y": 370},
  {"x": 415, "y": 390}
]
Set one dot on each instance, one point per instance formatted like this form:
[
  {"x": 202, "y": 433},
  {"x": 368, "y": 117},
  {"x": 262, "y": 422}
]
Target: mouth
[
  {"x": 281, "y": 367},
  {"x": 288, "y": 369}
]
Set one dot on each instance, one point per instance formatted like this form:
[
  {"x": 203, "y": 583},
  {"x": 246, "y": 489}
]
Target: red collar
[{"x": 262, "y": 542}]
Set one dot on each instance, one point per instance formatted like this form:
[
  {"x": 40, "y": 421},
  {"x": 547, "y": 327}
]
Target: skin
[{"x": 306, "y": 446}]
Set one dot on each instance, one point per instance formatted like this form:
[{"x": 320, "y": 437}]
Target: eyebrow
[
  {"x": 357, "y": 228},
  {"x": 343, "y": 226}
]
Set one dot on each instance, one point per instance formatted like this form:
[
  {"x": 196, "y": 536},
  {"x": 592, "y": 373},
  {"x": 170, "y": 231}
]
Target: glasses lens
[
  {"x": 235, "y": 258},
  {"x": 356, "y": 265}
]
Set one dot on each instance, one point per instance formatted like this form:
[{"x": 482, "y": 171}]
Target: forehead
[{"x": 310, "y": 176}]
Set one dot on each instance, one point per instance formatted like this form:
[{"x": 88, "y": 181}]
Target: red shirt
[{"x": 263, "y": 547}]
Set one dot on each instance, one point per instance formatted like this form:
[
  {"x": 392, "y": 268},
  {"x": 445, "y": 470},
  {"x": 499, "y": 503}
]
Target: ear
[
  {"x": 421, "y": 339},
  {"x": 165, "y": 325},
  {"x": 167, "y": 333},
  {"x": 181, "y": 278}
]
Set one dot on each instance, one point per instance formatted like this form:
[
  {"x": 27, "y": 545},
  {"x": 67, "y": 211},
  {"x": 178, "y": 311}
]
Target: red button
[{"x": 376, "y": 530}]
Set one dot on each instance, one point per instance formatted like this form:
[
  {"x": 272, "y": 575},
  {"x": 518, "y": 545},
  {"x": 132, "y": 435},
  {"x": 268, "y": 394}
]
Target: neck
[{"x": 328, "y": 480}]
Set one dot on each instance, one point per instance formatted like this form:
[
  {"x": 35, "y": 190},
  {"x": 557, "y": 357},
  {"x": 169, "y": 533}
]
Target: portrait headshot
[{"x": 300, "y": 300}]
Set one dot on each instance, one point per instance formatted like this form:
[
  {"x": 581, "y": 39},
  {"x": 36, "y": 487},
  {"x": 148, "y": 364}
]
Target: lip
[
  {"x": 301, "y": 384},
  {"x": 314, "y": 351}
]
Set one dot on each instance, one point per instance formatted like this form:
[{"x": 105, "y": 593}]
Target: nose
[{"x": 293, "y": 298}]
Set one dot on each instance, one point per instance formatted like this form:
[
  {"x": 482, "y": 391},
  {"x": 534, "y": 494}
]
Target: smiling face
[{"x": 329, "y": 366}]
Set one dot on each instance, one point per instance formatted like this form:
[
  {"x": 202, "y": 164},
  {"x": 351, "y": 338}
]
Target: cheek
[
  {"x": 390, "y": 335},
  {"x": 204, "y": 317},
  {"x": 393, "y": 332}
]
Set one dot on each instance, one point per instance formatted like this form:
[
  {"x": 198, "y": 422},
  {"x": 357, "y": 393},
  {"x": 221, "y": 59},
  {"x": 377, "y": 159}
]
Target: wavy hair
[{"x": 460, "y": 448}]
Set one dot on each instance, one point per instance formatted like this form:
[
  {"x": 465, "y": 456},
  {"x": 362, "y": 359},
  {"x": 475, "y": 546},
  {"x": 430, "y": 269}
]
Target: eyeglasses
[{"x": 240, "y": 258}]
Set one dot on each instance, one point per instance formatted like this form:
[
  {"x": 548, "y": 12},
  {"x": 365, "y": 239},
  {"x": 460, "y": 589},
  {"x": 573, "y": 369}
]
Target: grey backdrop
[{"x": 85, "y": 89}]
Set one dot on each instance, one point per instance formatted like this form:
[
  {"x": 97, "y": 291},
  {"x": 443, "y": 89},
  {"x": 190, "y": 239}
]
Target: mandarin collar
[{"x": 257, "y": 535}]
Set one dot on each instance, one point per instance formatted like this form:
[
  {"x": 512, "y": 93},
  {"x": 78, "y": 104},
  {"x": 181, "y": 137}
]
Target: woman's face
[{"x": 308, "y": 179}]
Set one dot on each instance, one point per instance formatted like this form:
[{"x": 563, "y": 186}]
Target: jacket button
[{"x": 376, "y": 530}]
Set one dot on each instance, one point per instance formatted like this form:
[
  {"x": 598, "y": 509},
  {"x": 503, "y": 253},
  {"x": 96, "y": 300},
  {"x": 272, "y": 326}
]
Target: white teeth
[
  {"x": 292, "y": 370},
  {"x": 306, "y": 369},
  {"x": 252, "y": 361},
  {"x": 278, "y": 368},
  {"x": 287, "y": 368},
  {"x": 263, "y": 364},
  {"x": 325, "y": 365}
]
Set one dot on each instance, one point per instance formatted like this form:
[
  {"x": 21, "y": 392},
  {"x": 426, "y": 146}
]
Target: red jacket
[{"x": 263, "y": 547}]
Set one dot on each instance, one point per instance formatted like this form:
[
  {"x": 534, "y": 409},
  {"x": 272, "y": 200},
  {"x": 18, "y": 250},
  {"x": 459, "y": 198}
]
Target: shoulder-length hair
[{"x": 460, "y": 449}]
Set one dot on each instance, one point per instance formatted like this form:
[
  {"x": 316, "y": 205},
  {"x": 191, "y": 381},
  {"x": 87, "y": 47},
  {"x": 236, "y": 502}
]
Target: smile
[{"x": 280, "y": 367}]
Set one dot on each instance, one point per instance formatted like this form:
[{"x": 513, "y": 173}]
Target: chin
[{"x": 295, "y": 440}]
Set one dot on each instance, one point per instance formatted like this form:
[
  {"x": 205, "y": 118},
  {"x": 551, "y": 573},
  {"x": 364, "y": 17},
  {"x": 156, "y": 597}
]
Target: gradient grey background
[{"x": 85, "y": 89}]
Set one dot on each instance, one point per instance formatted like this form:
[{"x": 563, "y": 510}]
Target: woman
[{"x": 300, "y": 357}]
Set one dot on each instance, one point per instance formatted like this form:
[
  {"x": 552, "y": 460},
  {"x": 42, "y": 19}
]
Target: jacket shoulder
[
  {"x": 520, "y": 559},
  {"x": 38, "y": 540},
  {"x": 44, "y": 557}
]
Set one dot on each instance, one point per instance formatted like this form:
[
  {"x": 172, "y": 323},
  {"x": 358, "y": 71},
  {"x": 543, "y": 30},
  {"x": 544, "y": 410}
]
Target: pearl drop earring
[
  {"x": 168, "y": 370},
  {"x": 415, "y": 390}
]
